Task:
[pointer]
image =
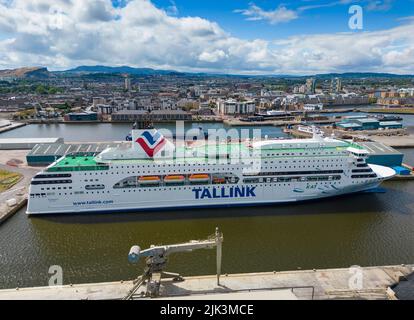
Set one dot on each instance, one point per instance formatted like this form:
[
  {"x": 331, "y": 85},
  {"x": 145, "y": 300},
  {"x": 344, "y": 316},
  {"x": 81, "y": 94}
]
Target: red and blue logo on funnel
[{"x": 151, "y": 143}]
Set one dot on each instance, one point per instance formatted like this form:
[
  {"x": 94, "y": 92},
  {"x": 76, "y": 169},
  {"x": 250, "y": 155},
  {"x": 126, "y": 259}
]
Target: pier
[
  {"x": 12, "y": 126},
  {"x": 7, "y": 211},
  {"x": 395, "y": 141},
  {"x": 378, "y": 283}
]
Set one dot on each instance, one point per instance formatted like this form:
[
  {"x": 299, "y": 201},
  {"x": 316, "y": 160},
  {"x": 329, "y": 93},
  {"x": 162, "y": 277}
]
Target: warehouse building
[
  {"x": 46, "y": 154},
  {"x": 154, "y": 116},
  {"x": 81, "y": 116},
  {"x": 382, "y": 154},
  {"x": 364, "y": 123}
]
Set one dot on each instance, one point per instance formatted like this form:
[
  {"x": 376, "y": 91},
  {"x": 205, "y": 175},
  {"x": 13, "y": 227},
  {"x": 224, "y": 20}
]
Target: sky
[{"x": 220, "y": 36}]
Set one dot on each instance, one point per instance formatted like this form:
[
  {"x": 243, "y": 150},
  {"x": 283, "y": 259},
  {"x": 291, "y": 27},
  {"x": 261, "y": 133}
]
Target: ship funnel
[{"x": 151, "y": 142}]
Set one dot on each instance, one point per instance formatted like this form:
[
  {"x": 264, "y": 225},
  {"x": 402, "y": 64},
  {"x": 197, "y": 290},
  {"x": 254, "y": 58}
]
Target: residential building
[{"x": 235, "y": 107}]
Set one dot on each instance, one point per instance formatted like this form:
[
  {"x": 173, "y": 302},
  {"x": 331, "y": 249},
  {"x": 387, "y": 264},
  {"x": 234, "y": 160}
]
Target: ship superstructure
[{"x": 153, "y": 173}]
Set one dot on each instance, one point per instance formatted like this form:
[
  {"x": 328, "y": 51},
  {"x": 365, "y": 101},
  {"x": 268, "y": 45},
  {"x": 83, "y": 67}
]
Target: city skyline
[{"x": 243, "y": 37}]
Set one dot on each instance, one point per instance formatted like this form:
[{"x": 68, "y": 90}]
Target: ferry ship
[{"x": 153, "y": 173}]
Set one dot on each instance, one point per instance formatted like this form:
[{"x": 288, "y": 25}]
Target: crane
[{"x": 157, "y": 258}]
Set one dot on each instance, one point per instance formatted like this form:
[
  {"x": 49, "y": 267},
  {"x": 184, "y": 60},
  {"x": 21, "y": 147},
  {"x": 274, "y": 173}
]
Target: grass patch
[{"x": 8, "y": 179}]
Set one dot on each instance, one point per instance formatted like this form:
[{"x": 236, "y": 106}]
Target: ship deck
[
  {"x": 203, "y": 154},
  {"x": 73, "y": 163}
]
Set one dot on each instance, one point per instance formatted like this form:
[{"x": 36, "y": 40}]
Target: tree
[{"x": 40, "y": 89}]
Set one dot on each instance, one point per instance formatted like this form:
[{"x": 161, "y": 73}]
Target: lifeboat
[
  {"x": 174, "y": 179},
  {"x": 149, "y": 180},
  {"x": 199, "y": 178},
  {"x": 219, "y": 180}
]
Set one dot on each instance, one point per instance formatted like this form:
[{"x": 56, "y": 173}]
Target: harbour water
[
  {"x": 118, "y": 132},
  {"x": 362, "y": 229},
  {"x": 112, "y": 132}
]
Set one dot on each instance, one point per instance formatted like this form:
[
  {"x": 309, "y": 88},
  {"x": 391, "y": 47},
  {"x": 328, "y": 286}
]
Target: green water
[{"x": 363, "y": 229}]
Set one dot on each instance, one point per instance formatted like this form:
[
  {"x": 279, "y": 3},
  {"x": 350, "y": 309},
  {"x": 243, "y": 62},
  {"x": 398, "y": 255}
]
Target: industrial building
[
  {"x": 391, "y": 125},
  {"x": 82, "y": 116},
  {"x": 382, "y": 154},
  {"x": 153, "y": 116},
  {"x": 366, "y": 123}
]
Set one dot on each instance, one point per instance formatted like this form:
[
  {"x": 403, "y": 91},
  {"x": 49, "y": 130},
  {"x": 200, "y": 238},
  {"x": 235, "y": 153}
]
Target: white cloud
[
  {"x": 278, "y": 15},
  {"x": 212, "y": 56},
  {"x": 66, "y": 33}
]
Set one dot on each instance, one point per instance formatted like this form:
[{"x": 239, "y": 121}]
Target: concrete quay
[
  {"x": 386, "y": 110},
  {"x": 12, "y": 127},
  {"x": 18, "y": 192},
  {"x": 395, "y": 141},
  {"x": 377, "y": 283},
  {"x": 6, "y": 211},
  {"x": 276, "y": 123}
]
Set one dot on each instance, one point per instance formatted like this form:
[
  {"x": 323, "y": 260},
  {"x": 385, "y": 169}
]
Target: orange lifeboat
[
  {"x": 149, "y": 180},
  {"x": 174, "y": 179},
  {"x": 219, "y": 180},
  {"x": 199, "y": 178}
]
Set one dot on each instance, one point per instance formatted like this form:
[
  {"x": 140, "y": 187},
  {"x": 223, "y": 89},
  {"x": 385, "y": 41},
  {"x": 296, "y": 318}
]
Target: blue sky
[
  {"x": 226, "y": 36},
  {"x": 332, "y": 18}
]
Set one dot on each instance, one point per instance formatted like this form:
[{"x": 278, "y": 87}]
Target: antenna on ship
[{"x": 317, "y": 133}]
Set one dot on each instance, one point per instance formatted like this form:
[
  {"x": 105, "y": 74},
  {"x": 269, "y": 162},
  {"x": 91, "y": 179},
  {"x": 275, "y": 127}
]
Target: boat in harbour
[{"x": 155, "y": 174}]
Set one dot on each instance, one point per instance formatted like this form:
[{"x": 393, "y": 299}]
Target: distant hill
[
  {"x": 359, "y": 75},
  {"x": 26, "y": 72},
  {"x": 122, "y": 69},
  {"x": 95, "y": 71},
  {"x": 149, "y": 71}
]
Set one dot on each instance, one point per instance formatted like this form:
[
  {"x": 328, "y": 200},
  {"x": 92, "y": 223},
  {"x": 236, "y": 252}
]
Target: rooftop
[
  {"x": 349, "y": 125},
  {"x": 367, "y": 120},
  {"x": 30, "y": 140},
  {"x": 61, "y": 149},
  {"x": 379, "y": 148},
  {"x": 127, "y": 112},
  {"x": 142, "y": 112}
]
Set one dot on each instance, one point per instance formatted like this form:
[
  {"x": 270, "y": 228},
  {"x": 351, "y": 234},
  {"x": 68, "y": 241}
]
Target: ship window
[
  {"x": 51, "y": 182},
  {"x": 50, "y": 176},
  {"x": 95, "y": 187}
]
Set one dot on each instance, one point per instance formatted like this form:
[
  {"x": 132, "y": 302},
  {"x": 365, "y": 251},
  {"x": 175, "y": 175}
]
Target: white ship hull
[{"x": 162, "y": 198}]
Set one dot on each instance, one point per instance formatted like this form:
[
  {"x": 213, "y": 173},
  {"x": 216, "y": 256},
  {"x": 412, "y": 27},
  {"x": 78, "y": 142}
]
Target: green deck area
[{"x": 77, "y": 163}]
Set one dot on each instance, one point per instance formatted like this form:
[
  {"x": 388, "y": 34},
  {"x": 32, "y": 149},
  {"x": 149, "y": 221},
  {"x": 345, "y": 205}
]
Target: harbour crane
[{"x": 157, "y": 258}]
